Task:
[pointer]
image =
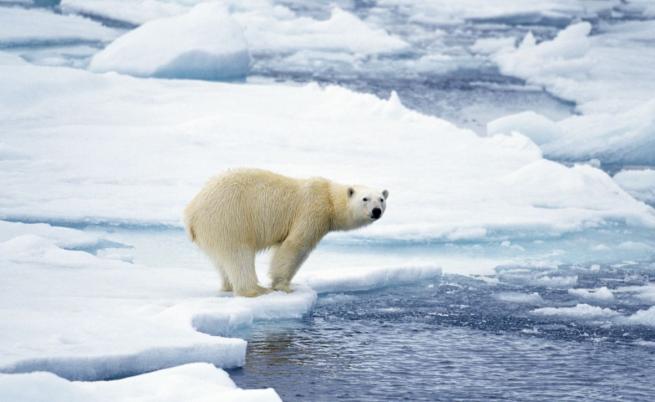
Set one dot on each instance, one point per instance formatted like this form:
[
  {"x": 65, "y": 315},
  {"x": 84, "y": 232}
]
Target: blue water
[{"x": 453, "y": 340}]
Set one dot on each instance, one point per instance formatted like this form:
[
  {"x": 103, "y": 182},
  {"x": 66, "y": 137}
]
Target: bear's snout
[{"x": 376, "y": 213}]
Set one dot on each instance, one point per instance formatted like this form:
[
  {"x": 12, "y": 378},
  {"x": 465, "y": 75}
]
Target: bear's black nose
[{"x": 376, "y": 213}]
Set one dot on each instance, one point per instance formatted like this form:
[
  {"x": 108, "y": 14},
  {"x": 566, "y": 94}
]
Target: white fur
[{"x": 244, "y": 211}]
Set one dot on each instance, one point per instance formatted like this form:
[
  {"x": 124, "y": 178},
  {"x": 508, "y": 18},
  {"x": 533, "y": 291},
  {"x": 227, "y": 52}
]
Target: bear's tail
[
  {"x": 191, "y": 233},
  {"x": 188, "y": 226}
]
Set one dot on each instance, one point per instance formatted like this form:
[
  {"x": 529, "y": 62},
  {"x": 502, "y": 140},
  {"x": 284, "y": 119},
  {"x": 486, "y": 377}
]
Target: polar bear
[{"x": 245, "y": 211}]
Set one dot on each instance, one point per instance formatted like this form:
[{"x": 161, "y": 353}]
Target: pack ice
[{"x": 607, "y": 75}]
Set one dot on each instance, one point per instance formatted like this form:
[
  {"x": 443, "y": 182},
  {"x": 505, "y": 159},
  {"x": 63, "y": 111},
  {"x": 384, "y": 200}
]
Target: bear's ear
[
  {"x": 351, "y": 191},
  {"x": 385, "y": 194}
]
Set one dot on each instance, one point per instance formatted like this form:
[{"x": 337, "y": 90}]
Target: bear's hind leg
[
  {"x": 226, "y": 285},
  {"x": 239, "y": 269},
  {"x": 285, "y": 263}
]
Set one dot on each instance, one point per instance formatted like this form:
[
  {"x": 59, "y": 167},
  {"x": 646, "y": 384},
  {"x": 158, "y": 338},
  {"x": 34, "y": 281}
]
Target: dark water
[{"x": 453, "y": 339}]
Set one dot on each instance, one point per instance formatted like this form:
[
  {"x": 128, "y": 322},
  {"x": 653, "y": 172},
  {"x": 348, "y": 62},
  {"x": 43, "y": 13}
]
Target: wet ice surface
[{"x": 452, "y": 339}]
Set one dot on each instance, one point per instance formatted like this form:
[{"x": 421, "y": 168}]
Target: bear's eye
[
  {"x": 365, "y": 199},
  {"x": 381, "y": 199}
]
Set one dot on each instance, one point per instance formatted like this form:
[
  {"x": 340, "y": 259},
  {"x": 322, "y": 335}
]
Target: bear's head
[{"x": 366, "y": 205}]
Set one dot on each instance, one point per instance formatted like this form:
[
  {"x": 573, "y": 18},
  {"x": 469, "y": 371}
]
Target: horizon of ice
[
  {"x": 269, "y": 27},
  {"x": 529, "y": 12},
  {"x": 23, "y": 27},
  {"x": 205, "y": 43},
  {"x": 583, "y": 67}
]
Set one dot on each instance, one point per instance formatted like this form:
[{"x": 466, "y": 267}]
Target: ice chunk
[
  {"x": 601, "y": 294},
  {"x": 584, "y": 68},
  {"x": 522, "y": 298},
  {"x": 270, "y": 30},
  {"x": 367, "y": 278},
  {"x": 640, "y": 183},
  {"x": 579, "y": 311},
  {"x": 642, "y": 317},
  {"x": 205, "y": 43},
  {"x": 192, "y": 382}
]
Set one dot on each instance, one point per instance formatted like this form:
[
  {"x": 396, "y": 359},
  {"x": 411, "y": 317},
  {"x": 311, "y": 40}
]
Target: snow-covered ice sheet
[
  {"x": 607, "y": 74},
  {"x": 199, "y": 382},
  {"x": 135, "y": 151},
  {"x": 205, "y": 43}
]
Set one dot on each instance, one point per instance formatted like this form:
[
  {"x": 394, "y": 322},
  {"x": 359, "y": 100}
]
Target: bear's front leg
[{"x": 288, "y": 257}]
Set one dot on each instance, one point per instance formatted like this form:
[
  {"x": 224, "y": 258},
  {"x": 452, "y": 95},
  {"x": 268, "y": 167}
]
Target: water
[{"x": 450, "y": 340}]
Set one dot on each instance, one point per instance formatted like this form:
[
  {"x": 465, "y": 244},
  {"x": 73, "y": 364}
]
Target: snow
[
  {"x": 585, "y": 68},
  {"x": 268, "y": 27},
  {"x": 203, "y": 128},
  {"x": 602, "y": 294},
  {"x": 20, "y": 27},
  {"x": 197, "y": 382},
  {"x": 204, "y": 43},
  {"x": 640, "y": 183}
]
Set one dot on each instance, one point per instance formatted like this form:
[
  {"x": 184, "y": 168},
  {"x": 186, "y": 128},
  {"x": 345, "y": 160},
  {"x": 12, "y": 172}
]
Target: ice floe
[
  {"x": 197, "y": 382},
  {"x": 586, "y": 69},
  {"x": 601, "y": 294},
  {"x": 523, "y": 298},
  {"x": 205, "y": 43},
  {"x": 579, "y": 311}
]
